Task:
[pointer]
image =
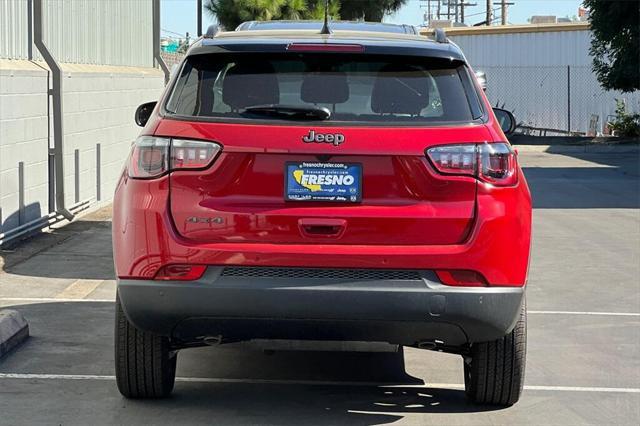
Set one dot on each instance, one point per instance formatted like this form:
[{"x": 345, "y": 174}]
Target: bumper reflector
[
  {"x": 180, "y": 272},
  {"x": 461, "y": 278}
]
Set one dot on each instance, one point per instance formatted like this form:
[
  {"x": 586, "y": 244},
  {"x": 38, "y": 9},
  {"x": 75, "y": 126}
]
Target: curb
[
  {"x": 13, "y": 330},
  {"x": 573, "y": 149}
]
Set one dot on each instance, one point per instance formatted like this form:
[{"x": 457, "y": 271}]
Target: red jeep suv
[{"x": 295, "y": 185}]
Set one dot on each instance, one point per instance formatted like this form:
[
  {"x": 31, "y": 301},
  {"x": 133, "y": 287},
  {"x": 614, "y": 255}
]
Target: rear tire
[
  {"x": 145, "y": 366},
  {"x": 494, "y": 372}
]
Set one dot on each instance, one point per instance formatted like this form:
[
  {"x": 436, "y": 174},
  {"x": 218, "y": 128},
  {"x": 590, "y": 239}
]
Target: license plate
[{"x": 338, "y": 182}]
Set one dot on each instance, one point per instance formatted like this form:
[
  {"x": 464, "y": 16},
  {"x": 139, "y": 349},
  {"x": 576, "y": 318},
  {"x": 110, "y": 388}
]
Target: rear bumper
[{"x": 399, "y": 311}]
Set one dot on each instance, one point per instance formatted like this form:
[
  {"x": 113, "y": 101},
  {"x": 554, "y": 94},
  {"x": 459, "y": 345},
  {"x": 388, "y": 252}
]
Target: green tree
[
  {"x": 615, "y": 43},
  {"x": 369, "y": 10},
  {"x": 231, "y": 13}
]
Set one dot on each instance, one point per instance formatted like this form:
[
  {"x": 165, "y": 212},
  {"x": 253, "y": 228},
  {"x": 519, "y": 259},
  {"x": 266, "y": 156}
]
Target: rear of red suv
[{"x": 343, "y": 187}]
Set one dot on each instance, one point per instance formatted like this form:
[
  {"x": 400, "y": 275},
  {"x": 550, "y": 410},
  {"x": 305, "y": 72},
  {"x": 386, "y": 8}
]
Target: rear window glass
[{"x": 354, "y": 88}]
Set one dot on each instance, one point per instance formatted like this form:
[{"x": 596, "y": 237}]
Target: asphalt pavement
[{"x": 583, "y": 363}]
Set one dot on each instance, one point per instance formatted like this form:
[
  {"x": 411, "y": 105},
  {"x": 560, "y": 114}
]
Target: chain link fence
[
  {"x": 555, "y": 99},
  {"x": 171, "y": 59}
]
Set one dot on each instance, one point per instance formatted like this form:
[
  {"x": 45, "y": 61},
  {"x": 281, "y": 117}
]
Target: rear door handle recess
[{"x": 322, "y": 228}]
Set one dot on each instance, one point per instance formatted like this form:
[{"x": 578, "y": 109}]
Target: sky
[{"x": 179, "y": 16}]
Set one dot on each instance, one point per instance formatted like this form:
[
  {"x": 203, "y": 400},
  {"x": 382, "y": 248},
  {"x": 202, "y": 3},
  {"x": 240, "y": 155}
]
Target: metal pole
[
  {"x": 30, "y": 30},
  {"x": 98, "y": 173},
  {"x": 569, "y": 98},
  {"x": 199, "y": 6},
  {"x": 76, "y": 174},
  {"x": 503, "y": 11},
  {"x": 56, "y": 95},
  {"x": 156, "y": 41},
  {"x": 489, "y": 12},
  {"x": 21, "y": 206}
]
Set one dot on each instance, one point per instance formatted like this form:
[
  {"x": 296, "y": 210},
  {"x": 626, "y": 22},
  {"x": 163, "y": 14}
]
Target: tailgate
[{"x": 242, "y": 197}]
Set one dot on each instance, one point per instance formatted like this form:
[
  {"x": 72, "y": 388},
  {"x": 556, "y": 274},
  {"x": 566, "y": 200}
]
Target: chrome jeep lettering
[{"x": 332, "y": 138}]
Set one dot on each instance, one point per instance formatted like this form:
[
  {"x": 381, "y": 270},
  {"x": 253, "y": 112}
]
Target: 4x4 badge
[{"x": 332, "y": 138}]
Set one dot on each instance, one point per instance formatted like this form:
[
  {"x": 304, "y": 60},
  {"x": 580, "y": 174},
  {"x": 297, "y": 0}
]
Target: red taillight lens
[
  {"x": 152, "y": 157},
  {"x": 494, "y": 163},
  {"x": 461, "y": 278},
  {"x": 180, "y": 272},
  {"x": 498, "y": 164},
  {"x": 149, "y": 157}
]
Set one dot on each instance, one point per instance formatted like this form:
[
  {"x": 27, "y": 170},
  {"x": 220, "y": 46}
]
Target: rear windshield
[{"x": 354, "y": 88}]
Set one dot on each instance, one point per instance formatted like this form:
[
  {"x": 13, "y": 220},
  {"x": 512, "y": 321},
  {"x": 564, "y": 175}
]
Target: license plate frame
[{"x": 297, "y": 188}]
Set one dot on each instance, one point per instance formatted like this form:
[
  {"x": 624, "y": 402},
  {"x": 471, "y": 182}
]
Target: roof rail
[
  {"x": 212, "y": 31},
  {"x": 441, "y": 35}
]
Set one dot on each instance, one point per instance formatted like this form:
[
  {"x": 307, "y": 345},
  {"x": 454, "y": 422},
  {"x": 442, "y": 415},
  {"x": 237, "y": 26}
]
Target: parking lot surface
[{"x": 583, "y": 362}]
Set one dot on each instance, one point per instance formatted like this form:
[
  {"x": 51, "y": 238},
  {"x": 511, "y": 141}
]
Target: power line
[{"x": 172, "y": 32}]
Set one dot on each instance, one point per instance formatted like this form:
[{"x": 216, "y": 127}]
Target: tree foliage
[
  {"x": 369, "y": 10},
  {"x": 231, "y": 13},
  {"x": 615, "y": 43}
]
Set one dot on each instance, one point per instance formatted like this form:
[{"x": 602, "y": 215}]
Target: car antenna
[{"x": 325, "y": 27}]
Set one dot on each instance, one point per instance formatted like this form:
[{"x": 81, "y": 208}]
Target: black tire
[
  {"x": 494, "y": 371},
  {"x": 145, "y": 365}
]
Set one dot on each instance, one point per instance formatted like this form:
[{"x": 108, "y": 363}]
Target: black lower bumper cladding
[{"x": 243, "y": 303}]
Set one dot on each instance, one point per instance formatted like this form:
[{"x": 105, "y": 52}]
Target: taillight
[
  {"x": 498, "y": 164},
  {"x": 152, "y": 157},
  {"x": 180, "y": 272},
  {"x": 454, "y": 159},
  {"x": 494, "y": 163},
  {"x": 149, "y": 158},
  {"x": 462, "y": 278},
  {"x": 187, "y": 154}
]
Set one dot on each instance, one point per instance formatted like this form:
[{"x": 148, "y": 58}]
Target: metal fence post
[
  {"x": 98, "y": 177},
  {"x": 76, "y": 157},
  {"x": 569, "y": 99},
  {"x": 21, "y": 205}
]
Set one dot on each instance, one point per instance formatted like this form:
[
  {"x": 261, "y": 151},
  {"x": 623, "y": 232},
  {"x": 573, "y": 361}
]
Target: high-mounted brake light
[
  {"x": 152, "y": 157},
  {"x": 325, "y": 47},
  {"x": 180, "y": 272},
  {"x": 494, "y": 163}
]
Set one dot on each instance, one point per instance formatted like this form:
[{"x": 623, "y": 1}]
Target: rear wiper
[{"x": 294, "y": 112}]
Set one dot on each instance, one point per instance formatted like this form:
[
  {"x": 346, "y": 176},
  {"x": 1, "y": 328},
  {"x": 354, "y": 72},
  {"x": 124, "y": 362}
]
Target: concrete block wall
[
  {"x": 24, "y": 128},
  {"x": 98, "y": 102}
]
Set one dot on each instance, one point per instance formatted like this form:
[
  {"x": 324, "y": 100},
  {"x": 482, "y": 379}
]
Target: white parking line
[
  {"x": 23, "y": 376},
  {"x": 52, "y": 299},
  {"x": 614, "y": 314},
  {"x": 79, "y": 289}
]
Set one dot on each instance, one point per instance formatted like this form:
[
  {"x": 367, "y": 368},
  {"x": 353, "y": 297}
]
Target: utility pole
[
  {"x": 489, "y": 12},
  {"x": 462, "y": 6},
  {"x": 503, "y": 10},
  {"x": 199, "y": 15}
]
